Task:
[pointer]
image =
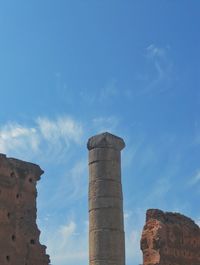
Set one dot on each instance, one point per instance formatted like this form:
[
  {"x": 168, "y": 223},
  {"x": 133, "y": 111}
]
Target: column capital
[{"x": 105, "y": 140}]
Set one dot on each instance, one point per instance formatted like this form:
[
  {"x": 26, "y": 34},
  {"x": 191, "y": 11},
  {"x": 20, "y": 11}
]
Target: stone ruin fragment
[
  {"x": 106, "y": 223},
  {"x": 170, "y": 239},
  {"x": 167, "y": 238},
  {"x": 19, "y": 234}
]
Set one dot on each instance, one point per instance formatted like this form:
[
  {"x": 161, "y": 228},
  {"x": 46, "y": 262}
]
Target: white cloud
[
  {"x": 67, "y": 230},
  {"x": 67, "y": 245},
  {"x": 62, "y": 128},
  {"x": 45, "y": 138},
  {"x": 153, "y": 51},
  {"x": 14, "y": 136},
  {"x": 160, "y": 74},
  {"x": 50, "y": 140}
]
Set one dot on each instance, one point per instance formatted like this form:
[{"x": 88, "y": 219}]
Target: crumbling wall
[
  {"x": 19, "y": 234},
  {"x": 170, "y": 239}
]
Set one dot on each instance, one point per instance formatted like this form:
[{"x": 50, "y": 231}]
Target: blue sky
[{"x": 72, "y": 69}]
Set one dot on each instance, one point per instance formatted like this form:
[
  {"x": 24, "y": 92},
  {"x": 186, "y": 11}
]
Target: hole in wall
[
  {"x": 8, "y": 258},
  {"x": 32, "y": 241},
  {"x": 12, "y": 174},
  {"x": 30, "y": 180},
  {"x": 13, "y": 237}
]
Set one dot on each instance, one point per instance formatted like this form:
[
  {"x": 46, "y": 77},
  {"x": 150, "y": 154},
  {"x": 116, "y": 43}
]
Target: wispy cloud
[
  {"x": 68, "y": 244},
  {"x": 14, "y": 136},
  {"x": 160, "y": 74},
  {"x": 155, "y": 52},
  {"x": 46, "y": 136},
  {"x": 62, "y": 128},
  {"x": 50, "y": 140}
]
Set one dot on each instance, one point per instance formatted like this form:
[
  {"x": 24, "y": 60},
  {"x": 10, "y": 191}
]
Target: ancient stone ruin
[
  {"x": 167, "y": 238},
  {"x": 170, "y": 239},
  {"x": 19, "y": 235},
  {"x": 106, "y": 224}
]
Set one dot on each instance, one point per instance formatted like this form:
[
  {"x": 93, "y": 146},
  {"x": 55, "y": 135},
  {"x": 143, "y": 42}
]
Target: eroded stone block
[
  {"x": 106, "y": 224},
  {"x": 19, "y": 234},
  {"x": 170, "y": 239}
]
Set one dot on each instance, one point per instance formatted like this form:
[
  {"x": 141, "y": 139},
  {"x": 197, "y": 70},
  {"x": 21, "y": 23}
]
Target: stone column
[{"x": 106, "y": 222}]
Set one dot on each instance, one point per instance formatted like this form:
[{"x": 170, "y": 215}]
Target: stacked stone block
[
  {"x": 106, "y": 224},
  {"x": 19, "y": 234},
  {"x": 170, "y": 239}
]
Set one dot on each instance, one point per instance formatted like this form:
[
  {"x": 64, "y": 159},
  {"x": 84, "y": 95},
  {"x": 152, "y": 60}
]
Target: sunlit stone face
[
  {"x": 106, "y": 224},
  {"x": 19, "y": 235}
]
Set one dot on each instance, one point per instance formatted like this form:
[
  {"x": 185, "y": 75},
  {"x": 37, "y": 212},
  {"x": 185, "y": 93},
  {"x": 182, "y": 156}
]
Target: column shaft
[{"x": 106, "y": 225}]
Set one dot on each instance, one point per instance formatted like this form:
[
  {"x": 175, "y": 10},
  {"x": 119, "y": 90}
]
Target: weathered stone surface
[
  {"x": 105, "y": 140},
  {"x": 19, "y": 234},
  {"x": 170, "y": 239},
  {"x": 106, "y": 223}
]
